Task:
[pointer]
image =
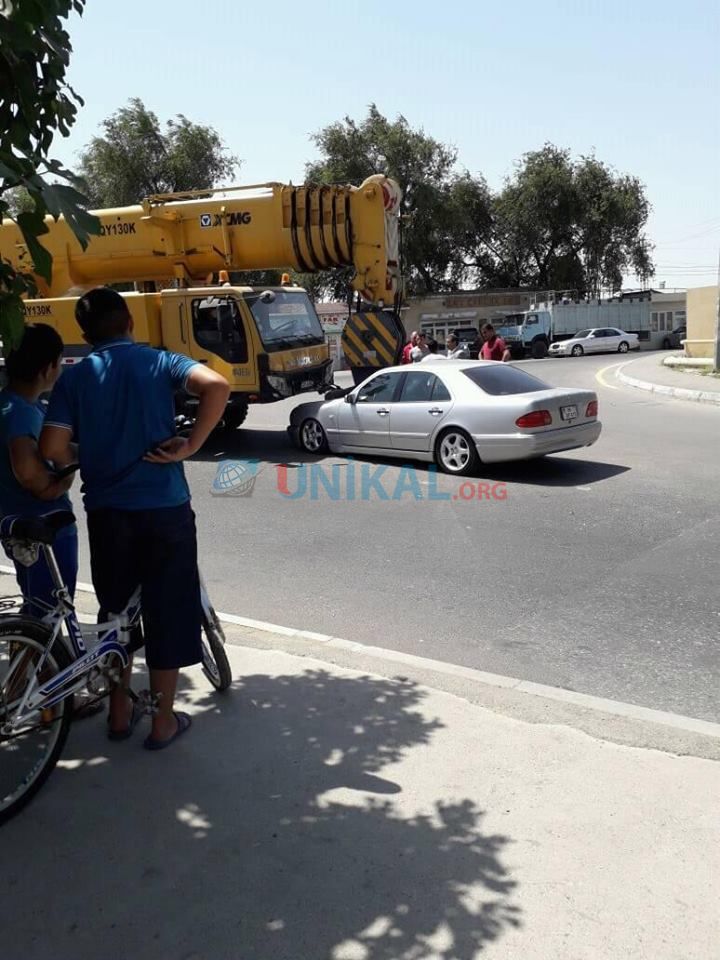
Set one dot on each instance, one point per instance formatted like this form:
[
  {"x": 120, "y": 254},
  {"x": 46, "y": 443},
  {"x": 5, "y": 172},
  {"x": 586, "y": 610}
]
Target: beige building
[
  {"x": 702, "y": 309},
  {"x": 439, "y": 314},
  {"x": 332, "y": 316}
]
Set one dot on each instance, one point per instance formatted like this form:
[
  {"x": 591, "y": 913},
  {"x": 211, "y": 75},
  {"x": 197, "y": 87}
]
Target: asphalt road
[{"x": 598, "y": 572}]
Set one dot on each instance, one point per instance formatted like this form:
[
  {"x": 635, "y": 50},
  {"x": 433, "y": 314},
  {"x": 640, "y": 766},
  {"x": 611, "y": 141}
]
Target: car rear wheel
[
  {"x": 623, "y": 347},
  {"x": 577, "y": 350},
  {"x": 666, "y": 344},
  {"x": 455, "y": 453},
  {"x": 312, "y": 436}
]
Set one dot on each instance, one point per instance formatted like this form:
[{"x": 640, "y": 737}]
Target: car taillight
[
  {"x": 538, "y": 418},
  {"x": 592, "y": 409}
]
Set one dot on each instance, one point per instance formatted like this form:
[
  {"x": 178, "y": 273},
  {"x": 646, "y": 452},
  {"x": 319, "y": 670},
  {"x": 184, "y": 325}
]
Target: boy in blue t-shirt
[
  {"x": 27, "y": 487},
  {"x": 118, "y": 405}
]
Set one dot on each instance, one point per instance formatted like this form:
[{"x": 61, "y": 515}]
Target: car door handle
[
  {"x": 382, "y": 412},
  {"x": 435, "y": 411}
]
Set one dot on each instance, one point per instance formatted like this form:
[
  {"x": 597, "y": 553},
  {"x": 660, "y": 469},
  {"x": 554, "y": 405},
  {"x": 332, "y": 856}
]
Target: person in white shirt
[
  {"x": 454, "y": 350},
  {"x": 433, "y": 353}
]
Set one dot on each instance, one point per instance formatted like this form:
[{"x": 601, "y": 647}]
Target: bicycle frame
[{"x": 105, "y": 639}]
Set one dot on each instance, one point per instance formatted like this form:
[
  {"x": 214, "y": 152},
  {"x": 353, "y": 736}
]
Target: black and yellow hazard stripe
[{"x": 368, "y": 340}]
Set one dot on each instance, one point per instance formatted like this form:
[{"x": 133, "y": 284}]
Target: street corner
[{"x": 235, "y": 478}]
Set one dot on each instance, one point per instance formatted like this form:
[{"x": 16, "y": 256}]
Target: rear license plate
[{"x": 569, "y": 413}]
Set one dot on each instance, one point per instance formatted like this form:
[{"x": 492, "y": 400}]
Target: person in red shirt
[
  {"x": 408, "y": 347},
  {"x": 494, "y": 347}
]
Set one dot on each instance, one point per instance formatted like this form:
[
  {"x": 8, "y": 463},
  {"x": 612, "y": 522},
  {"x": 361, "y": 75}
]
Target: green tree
[
  {"x": 566, "y": 225},
  {"x": 442, "y": 210},
  {"x": 135, "y": 157},
  {"x": 36, "y": 103}
]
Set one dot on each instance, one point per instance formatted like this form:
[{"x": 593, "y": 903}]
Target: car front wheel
[
  {"x": 623, "y": 348},
  {"x": 312, "y": 436},
  {"x": 455, "y": 452},
  {"x": 577, "y": 350}
]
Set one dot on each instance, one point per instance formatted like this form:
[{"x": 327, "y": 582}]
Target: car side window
[
  {"x": 417, "y": 387},
  {"x": 380, "y": 389},
  {"x": 440, "y": 391}
]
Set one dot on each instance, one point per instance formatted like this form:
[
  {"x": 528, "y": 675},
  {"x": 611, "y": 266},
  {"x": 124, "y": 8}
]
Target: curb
[
  {"x": 680, "y": 393},
  {"x": 601, "y": 705}
]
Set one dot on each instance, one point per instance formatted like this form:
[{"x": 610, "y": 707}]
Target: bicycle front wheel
[
  {"x": 216, "y": 665},
  {"x": 28, "y": 752}
]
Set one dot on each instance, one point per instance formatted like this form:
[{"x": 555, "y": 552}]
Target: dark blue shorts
[{"x": 157, "y": 550}]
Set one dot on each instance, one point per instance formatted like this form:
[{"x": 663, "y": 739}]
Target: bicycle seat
[{"x": 42, "y": 529}]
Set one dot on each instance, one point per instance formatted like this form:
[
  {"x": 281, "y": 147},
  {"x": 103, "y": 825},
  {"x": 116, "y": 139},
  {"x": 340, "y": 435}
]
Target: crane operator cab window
[
  {"x": 219, "y": 328},
  {"x": 285, "y": 318}
]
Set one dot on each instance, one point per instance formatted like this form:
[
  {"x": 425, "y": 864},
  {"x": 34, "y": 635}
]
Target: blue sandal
[
  {"x": 125, "y": 734},
  {"x": 183, "y": 725}
]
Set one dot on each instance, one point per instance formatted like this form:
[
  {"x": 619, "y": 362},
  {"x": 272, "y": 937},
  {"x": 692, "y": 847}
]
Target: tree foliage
[
  {"x": 556, "y": 223},
  {"x": 135, "y": 157},
  {"x": 440, "y": 207},
  {"x": 36, "y": 103},
  {"x": 564, "y": 224}
]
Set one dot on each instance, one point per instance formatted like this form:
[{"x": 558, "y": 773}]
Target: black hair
[
  {"x": 487, "y": 326},
  {"x": 432, "y": 345},
  {"x": 102, "y": 314},
  {"x": 40, "y": 347}
]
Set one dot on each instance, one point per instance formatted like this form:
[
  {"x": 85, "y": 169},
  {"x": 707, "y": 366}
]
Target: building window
[{"x": 654, "y": 319}]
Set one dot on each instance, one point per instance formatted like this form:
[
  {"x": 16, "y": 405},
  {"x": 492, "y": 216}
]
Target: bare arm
[
  {"x": 507, "y": 355},
  {"x": 213, "y": 391},
  {"x": 56, "y": 445},
  {"x": 32, "y": 474}
]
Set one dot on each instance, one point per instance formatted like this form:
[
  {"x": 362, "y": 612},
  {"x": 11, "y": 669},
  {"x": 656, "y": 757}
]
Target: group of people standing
[{"x": 488, "y": 346}]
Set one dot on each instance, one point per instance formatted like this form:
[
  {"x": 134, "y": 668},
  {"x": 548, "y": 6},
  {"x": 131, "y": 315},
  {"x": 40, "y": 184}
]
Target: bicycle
[{"x": 42, "y": 667}]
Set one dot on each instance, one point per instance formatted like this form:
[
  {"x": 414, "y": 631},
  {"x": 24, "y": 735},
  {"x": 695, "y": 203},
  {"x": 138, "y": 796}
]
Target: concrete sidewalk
[
  {"x": 649, "y": 373},
  {"x": 321, "y": 812}
]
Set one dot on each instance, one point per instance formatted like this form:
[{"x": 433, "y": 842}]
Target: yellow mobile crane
[{"x": 268, "y": 343}]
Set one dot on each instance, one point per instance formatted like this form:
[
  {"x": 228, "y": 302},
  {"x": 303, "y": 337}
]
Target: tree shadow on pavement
[{"x": 295, "y": 821}]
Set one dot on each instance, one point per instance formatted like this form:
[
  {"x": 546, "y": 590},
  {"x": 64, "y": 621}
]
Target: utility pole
[{"x": 717, "y": 321}]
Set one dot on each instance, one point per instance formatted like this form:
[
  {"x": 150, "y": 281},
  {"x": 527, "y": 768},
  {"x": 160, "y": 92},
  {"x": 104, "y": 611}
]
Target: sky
[{"x": 636, "y": 82}]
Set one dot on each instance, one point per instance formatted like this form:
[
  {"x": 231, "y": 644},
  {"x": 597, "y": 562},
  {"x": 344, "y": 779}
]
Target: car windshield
[
  {"x": 285, "y": 318},
  {"x": 503, "y": 380},
  {"x": 582, "y": 335}
]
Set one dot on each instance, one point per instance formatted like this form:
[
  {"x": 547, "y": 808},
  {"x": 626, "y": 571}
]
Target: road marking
[
  {"x": 599, "y": 375},
  {"x": 617, "y": 708}
]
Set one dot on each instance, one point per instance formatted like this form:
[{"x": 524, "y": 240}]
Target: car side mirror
[{"x": 349, "y": 398}]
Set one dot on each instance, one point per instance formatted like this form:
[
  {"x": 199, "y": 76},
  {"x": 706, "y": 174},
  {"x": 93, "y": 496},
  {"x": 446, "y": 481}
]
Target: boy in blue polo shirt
[{"x": 118, "y": 405}]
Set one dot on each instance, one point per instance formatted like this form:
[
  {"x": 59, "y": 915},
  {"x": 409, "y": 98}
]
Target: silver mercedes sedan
[{"x": 458, "y": 413}]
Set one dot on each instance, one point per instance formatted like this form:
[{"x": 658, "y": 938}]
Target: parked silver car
[
  {"x": 596, "y": 340},
  {"x": 458, "y": 413}
]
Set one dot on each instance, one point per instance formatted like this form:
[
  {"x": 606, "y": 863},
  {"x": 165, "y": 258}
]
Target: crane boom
[{"x": 188, "y": 236}]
